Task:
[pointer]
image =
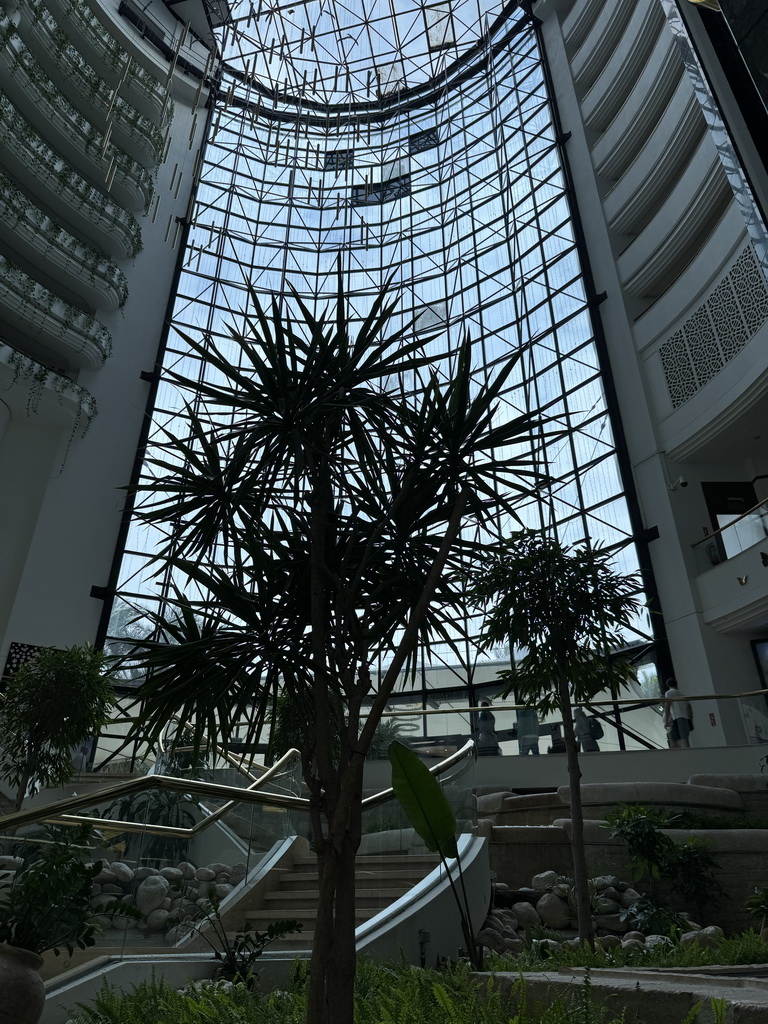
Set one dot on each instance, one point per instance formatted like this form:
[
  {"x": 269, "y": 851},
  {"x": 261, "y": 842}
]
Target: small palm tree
[
  {"x": 318, "y": 503},
  {"x": 566, "y": 608}
]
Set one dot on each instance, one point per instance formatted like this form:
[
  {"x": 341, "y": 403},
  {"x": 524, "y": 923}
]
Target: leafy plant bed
[
  {"x": 384, "y": 994},
  {"x": 746, "y": 948}
]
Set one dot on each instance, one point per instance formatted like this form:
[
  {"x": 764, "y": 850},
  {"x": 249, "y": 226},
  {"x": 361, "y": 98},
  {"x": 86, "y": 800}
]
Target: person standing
[
  {"x": 582, "y": 727},
  {"x": 678, "y": 717},
  {"x": 486, "y": 740},
  {"x": 528, "y": 731}
]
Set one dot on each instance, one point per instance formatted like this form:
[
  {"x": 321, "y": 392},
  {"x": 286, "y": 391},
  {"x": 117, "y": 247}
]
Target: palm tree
[
  {"x": 319, "y": 506},
  {"x": 565, "y": 607}
]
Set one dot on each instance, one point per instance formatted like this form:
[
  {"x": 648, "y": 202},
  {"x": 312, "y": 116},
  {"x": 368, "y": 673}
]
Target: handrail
[
  {"x": 56, "y": 812},
  {"x": 226, "y": 755},
  {"x": 721, "y": 529},
  {"x": 251, "y": 794}
]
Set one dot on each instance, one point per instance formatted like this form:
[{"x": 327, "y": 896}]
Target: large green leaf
[{"x": 423, "y": 801}]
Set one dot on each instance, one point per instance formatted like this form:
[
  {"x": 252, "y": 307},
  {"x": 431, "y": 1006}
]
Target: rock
[
  {"x": 8, "y": 863},
  {"x": 509, "y": 920},
  {"x": 121, "y": 924},
  {"x": 145, "y": 872},
  {"x": 238, "y": 872},
  {"x": 526, "y": 915},
  {"x": 710, "y": 936},
  {"x": 605, "y": 906},
  {"x": 177, "y": 934},
  {"x": 172, "y": 874},
  {"x": 553, "y": 911},
  {"x": 105, "y": 876},
  {"x": 187, "y": 869},
  {"x": 635, "y": 935},
  {"x": 514, "y": 946},
  {"x": 157, "y": 920},
  {"x": 222, "y": 890},
  {"x": 218, "y": 868},
  {"x": 611, "y": 923},
  {"x": 688, "y": 938},
  {"x": 102, "y": 922},
  {"x": 205, "y": 875},
  {"x": 122, "y": 872},
  {"x": 605, "y": 882},
  {"x": 611, "y": 893},
  {"x": 494, "y": 923},
  {"x": 151, "y": 893},
  {"x": 610, "y": 941},
  {"x": 95, "y": 889},
  {"x": 632, "y": 944},
  {"x": 658, "y": 940},
  {"x": 112, "y": 889},
  {"x": 628, "y": 897},
  {"x": 508, "y": 933},
  {"x": 545, "y": 880},
  {"x": 166, "y": 904},
  {"x": 492, "y": 939}
]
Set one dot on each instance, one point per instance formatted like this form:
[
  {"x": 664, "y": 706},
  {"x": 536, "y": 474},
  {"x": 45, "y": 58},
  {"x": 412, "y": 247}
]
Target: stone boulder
[
  {"x": 151, "y": 893},
  {"x": 545, "y": 880},
  {"x": 553, "y": 911},
  {"x": 526, "y": 915}
]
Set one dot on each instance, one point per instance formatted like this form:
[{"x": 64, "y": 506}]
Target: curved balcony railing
[
  {"x": 30, "y": 232},
  {"x": 39, "y": 314},
  {"x": 89, "y": 211},
  {"x": 746, "y": 531},
  {"x": 85, "y": 88},
  {"x": 230, "y": 832},
  {"x": 80, "y": 142},
  {"x": 39, "y": 378},
  {"x": 114, "y": 63}
]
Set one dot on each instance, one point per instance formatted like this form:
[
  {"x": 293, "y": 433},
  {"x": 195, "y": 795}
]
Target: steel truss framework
[{"x": 444, "y": 172}]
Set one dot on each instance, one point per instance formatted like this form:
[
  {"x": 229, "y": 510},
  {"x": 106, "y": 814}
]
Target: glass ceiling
[{"x": 333, "y": 52}]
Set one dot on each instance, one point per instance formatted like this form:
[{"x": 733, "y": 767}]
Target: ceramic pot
[{"x": 22, "y": 988}]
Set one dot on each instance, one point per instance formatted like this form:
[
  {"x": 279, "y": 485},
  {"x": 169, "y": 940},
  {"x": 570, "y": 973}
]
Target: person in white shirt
[{"x": 678, "y": 717}]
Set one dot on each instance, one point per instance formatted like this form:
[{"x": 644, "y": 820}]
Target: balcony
[
  {"x": 75, "y": 138},
  {"x": 41, "y": 382},
  {"x": 86, "y": 89},
  {"x": 91, "y": 213},
  {"x": 38, "y": 314},
  {"x": 733, "y": 573},
  {"x": 108, "y": 57},
  {"x": 81, "y": 269}
]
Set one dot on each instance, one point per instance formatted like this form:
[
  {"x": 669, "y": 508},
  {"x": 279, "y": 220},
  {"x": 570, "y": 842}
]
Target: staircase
[{"x": 380, "y": 879}]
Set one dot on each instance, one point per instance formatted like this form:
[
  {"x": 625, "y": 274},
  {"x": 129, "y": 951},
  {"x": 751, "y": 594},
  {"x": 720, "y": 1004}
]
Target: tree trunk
[
  {"x": 334, "y": 960},
  {"x": 580, "y": 875}
]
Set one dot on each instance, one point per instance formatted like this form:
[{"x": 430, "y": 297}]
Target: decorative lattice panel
[{"x": 720, "y": 327}]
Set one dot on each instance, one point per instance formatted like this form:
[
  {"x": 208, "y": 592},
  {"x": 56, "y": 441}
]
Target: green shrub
[{"x": 384, "y": 994}]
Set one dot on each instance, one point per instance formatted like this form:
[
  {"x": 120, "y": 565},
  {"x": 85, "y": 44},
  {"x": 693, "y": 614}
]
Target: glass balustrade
[
  {"x": 170, "y": 844},
  {"x": 736, "y": 534}
]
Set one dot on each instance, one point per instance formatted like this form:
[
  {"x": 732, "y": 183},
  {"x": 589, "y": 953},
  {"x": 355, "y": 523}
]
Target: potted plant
[{"x": 45, "y": 904}]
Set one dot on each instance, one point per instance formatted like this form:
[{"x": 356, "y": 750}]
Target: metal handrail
[
  {"x": 721, "y": 529},
  {"x": 56, "y": 813},
  {"x": 225, "y": 755}
]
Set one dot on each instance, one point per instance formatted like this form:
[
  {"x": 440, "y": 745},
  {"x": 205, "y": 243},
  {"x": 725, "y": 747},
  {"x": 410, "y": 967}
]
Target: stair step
[
  {"x": 302, "y": 914},
  {"x": 290, "y": 897}
]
